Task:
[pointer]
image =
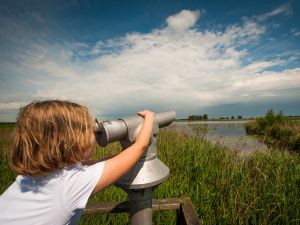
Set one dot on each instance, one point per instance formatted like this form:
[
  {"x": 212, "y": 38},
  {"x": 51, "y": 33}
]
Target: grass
[
  {"x": 7, "y": 176},
  {"x": 276, "y": 130},
  {"x": 225, "y": 187}
]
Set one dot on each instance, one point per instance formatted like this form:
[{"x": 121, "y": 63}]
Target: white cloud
[
  {"x": 11, "y": 105},
  {"x": 283, "y": 9},
  {"x": 183, "y": 20},
  {"x": 274, "y": 81},
  {"x": 295, "y": 32},
  {"x": 183, "y": 70}
]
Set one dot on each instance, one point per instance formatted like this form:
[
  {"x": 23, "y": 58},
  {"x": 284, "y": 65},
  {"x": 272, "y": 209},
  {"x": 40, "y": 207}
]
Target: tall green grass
[
  {"x": 226, "y": 187},
  {"x": 7, "y": 176},
  {"x": 276, "y": 130}
]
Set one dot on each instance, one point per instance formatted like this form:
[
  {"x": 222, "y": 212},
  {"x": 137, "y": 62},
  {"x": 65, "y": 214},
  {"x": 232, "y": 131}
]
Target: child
[{"x": 52, "y": 139}]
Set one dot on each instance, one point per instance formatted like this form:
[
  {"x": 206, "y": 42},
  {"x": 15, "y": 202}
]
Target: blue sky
[{"x": 118, "y": 57}]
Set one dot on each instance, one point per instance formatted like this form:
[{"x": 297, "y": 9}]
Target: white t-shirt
[{"x": 58, "y": 198}]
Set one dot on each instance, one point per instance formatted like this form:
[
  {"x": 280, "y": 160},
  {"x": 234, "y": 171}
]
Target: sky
[{"x": 220, "y": 58}]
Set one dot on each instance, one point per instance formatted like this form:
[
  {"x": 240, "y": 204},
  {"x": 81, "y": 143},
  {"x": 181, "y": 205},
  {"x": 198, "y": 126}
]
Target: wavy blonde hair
[{"x": 50, "y": 135}]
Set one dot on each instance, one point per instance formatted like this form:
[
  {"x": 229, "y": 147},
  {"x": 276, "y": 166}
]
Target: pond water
[{"x": 229, "y": 133}]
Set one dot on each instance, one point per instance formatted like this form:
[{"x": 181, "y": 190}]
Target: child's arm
[{"x": 119, "y": 165}]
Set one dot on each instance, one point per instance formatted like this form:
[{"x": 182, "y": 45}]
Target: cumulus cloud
[
  {"x": 162, "y": 70},
  {"x": 183, "y": 20}
]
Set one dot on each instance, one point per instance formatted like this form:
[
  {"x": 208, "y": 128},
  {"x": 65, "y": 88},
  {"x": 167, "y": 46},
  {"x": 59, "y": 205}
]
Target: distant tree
[
  {"x": 239, "y": 117},
  {"x": 195, "y": 117},
  {"x": 191, "y": 117},
  {"x": 198, "y": 117},
  {"x": 232, "y": 117}
]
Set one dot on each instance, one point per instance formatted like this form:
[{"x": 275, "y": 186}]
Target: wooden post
[{"x": 188, "y": 213}]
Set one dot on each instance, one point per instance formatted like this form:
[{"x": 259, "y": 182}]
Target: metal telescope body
[{"x": 149, "y": 170}]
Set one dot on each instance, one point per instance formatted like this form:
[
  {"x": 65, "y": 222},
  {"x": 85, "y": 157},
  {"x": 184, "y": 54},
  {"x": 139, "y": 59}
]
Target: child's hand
[{"x": 145, "y": 113}]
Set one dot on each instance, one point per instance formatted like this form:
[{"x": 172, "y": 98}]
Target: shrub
[{"x": 274, "y": 129}]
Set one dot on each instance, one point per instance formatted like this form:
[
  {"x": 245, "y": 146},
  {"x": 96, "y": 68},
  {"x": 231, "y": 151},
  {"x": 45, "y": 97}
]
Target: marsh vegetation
[
  {"x": 225, "y": 187},
  {"x": 276, "y": 130}
]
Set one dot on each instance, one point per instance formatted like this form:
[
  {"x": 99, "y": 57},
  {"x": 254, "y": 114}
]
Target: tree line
[
  {"x": 198, "y": 117},
  {"x": 205, "y": 117}
]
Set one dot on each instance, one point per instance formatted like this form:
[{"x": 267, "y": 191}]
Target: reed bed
[
  {"x": 7, "y": 176},
  {"x": 276, "y": 130},
  {"x": 225, "y": 187}
]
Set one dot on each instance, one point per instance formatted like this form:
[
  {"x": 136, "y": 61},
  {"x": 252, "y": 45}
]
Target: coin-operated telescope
[{"x": 149, "y": 170}]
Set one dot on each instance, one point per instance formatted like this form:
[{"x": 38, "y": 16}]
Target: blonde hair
[{"x": 50, "y": 135}]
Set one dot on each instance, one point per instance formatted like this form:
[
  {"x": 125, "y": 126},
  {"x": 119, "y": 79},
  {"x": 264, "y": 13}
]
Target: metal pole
[{"x": 140, "y": 206}]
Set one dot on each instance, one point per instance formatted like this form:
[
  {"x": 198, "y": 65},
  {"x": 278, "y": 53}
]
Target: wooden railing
[{"x": 185, "y": 211}]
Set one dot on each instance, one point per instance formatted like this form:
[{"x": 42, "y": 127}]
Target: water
[{"x": 229, "y": 133}]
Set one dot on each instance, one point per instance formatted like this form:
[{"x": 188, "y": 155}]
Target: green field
[{"x": 226, "y": 187}]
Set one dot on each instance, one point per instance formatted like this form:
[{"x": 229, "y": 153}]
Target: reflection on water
[
  {"x": 229, "y": 133},
  {"x": 234, "y": 130}
]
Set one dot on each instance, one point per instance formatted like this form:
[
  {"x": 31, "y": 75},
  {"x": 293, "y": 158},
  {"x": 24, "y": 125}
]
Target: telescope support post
[
  {"x": 140, "y": 206},
  {"x": 148, "y": 172}
]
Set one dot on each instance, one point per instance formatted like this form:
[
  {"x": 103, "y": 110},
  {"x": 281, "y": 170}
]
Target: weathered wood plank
[
  {"x": 190, "y": 216},
  {"x": 107, "y": 207},
  {"x": 121, "y": 207},
  {"x": 166, "y": 204}
]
